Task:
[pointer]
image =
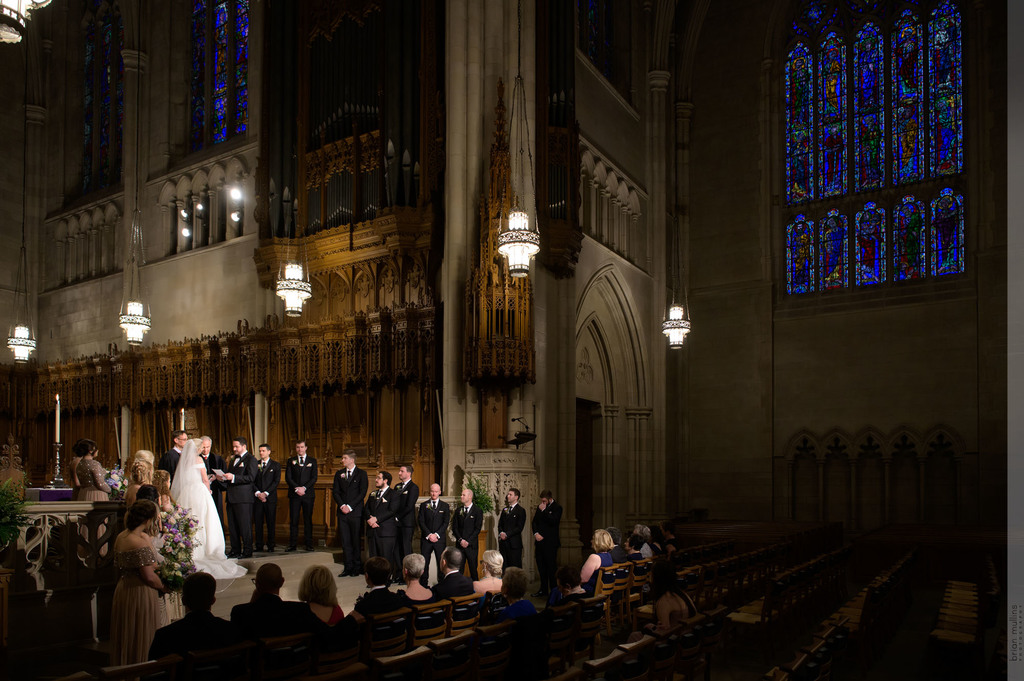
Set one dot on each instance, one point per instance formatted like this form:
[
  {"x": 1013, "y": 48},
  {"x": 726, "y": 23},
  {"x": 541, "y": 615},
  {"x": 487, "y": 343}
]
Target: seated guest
[
  {"x": 636, "y": 546},
  {"x": 198, "y": 629},
  {"x": 567, "y": 581},
  {"x": 412, "y": 570},
  {"x": 671, "y": 604},
  {"x": 668, "y": 529},
  {"x": 267, "y": 615},
  {"x": 452, "y": 583},
  {"x": 319, "y": 590},
  {"x": 379, "y": 598},
  {"x": 513, "y": 588},
  {"x": 657, "y": 542},
  {"x": 491, "y": 582},
  {"x": 619, "y": 554},
  {"x": 645, "y": 536},
  {"x": 602, "y": 557}
]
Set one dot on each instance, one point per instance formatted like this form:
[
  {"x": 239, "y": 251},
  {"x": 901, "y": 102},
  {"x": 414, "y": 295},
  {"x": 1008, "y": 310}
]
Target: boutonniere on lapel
[{"x": 506, "y": 509}]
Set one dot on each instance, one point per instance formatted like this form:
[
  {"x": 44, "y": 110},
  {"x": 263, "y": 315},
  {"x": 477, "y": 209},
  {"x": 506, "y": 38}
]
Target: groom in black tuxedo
[{"x": 241, "y": 494}]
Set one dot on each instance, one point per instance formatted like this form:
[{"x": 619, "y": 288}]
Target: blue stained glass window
[
  {"x": 832, "y": 116},
  {"x": 832, "y": 251},
  {"x": 241, "y": 66},
  {"x": 799, "y": 125},
  {"x": 88, "y": 99},
  {"x": 869, "y": 245},
  {"x": 908, "y": 240},
  {"x": 800, "y": 256},
  {"x": 105, "y": 82},
  {"x": 198, "y": 109},
  {"x": 119, "y": 128},
  {"x": 945, "y": 90},
  {"x": 947, "y": 233},
  {"x": 907, "y": 100},
  {"x": 219, "y": 93},
  {"x": 868, "y": 109}
]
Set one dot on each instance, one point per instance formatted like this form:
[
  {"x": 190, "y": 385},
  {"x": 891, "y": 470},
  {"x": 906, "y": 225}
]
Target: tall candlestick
[
  {"x": 183, "y": 418},
  {"x": 56, "y": 430}
]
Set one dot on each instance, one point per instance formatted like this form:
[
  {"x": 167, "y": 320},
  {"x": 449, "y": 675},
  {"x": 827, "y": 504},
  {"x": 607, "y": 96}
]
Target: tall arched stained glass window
[
  {"x": 832, "y": 116},
  {"x": 945, "y": 88},
  {"x": 907, "y": 100},
  {"x": 832, "y": 253},
  {"x": 868, "y": 109},
  {"x": 102, "y": 95},
  {"x": 800, "y": 264},
  {"x": 908, "y": 240},
  {"x": 869, "y": 245},
  {"x": 799, "y": 124},
  {"x": 947, "y": 234},
  {"x": 873, "y": 96},
  {"x": 219, "y": 107}
]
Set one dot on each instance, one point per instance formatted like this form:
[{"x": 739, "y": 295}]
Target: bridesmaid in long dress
[
  {"x": 90, "y": 474},
  {"x": 135, "y": 613},
  {"x": 139, "y": 473}
]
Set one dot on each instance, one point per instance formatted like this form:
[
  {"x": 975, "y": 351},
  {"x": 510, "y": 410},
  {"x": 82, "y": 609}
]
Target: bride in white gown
[{"x": 191, "y": 489}]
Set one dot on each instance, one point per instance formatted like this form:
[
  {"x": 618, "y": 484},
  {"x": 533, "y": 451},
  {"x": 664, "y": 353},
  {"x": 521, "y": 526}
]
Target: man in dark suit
[
  {"x": 452, "y": 582},
  {"x": 264, "y": 509},
  {"x": 433, "y": 519},
  {"x": 466, "y": 523},
  {"x": 546, "y": 520},
  {"x": 378, "y": 599},
  {"x": 408, "y": 494},
  {"x": 241, "y": 495},
  {"x": 349, "y": 492},
  {"x": 380, "y": 512},
  {"x": 510, "y": 530},
  {"x": 216, "y": 487},
  {"x": 266, "y": 615},
  {"x": 169, "y": 461},
  {"x": 198, "y": 629},
  {"x": 619, "y": 552},
  {"x": 300, "y": 475}
]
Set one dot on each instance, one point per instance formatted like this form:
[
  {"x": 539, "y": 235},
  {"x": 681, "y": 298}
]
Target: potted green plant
[{"x": 12, "y": 511}]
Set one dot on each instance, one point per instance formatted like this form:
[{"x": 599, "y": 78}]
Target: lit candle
[
  {"x": 183, "y": 418},
  {"x": 57, "y": 420}
]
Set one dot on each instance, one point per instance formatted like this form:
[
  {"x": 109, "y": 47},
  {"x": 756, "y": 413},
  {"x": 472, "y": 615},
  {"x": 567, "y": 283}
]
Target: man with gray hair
[{"x": 216, "y": 487}]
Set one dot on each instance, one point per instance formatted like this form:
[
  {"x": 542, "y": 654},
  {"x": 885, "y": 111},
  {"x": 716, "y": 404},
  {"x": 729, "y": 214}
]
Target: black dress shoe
[
  {"x": 246, "y": 555},
  {"x": 309, "y": 548},
  {"x": 539, "y": 594},
  {"x": 290, "y": 548},
  {"x": 270, "y": 549},
  {"x": 234, "y": 555}
]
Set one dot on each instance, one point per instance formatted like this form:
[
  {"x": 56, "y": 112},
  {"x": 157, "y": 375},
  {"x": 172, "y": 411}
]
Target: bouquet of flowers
[
  {"x": 179, "y": 539},
  {"x": 117, "y": 479}
]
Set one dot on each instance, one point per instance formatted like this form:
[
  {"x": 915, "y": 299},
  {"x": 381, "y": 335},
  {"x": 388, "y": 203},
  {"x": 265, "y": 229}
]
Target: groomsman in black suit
[
  {"x": 466, "y": 523},
  {"x": 216, "y": 488},
  {"x": 433, "y": 520},
  {"x": 268, "y": 477},
  {"x": 380, "y": 512},
  {"x": 546, "y": 520},
  {"x": 301, "y": 478},
  {"x": 349, "y": 492},
  {"x": 241, "y": 495},
  {"x": 169, "y": 461},
  {"x": 408, "y": 495},
  {"x": 510, "y": 530}
]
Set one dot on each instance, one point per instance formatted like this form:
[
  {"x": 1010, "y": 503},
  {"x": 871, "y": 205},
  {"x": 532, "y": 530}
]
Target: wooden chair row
[
  {"x": 813, "y": 662},
  {"x": 874, "y": 613},
  {"x": 957, "y": 639}
]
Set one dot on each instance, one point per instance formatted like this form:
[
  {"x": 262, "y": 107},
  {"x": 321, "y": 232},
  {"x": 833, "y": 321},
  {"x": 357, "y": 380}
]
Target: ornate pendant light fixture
[
  {"x": 293, "y": 287},
  {"x": 22, "y": 340},
  {"x": 134, "y": 318},
  {"x": 677, "y": 322},
  {"x": 518, "y": 239},
  {"x": 14, "y": 15}
]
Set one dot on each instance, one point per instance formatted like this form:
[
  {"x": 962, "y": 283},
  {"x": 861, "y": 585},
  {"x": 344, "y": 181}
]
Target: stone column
[
  {"x": 886, "y": 466},
  {"x": 106, "y": 248},
  {"x": 179, "y": 222},
  {"x": 70, "y": 260},
  {"x": 59, "y": 268},
  {"x": 646, "y": 501},
  {"x": 259, "y": 425},
  {"x": 134, "y": 157},
  {"x": 94, "y": 250},
  {"x": 922, "y": 462},
  {"x": 605, "y": 487},
  {"x": 821, "y": 488}
]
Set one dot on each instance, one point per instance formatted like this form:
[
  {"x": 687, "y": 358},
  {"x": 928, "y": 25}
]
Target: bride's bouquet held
[
  {"x": 180, "y": 530},
  {"x": 117, "y": 480}
]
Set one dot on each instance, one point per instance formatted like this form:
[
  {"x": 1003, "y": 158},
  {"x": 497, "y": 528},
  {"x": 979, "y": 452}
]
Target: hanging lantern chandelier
[
  {"x": 14, "y": 14},
  {"x": 22, "y": 341},
  {"x": 294, "y": 288},
  {"x": 134, "y": 319},
  {"x": 518, "y": 238},
  {"x": 676, "y": 325}
]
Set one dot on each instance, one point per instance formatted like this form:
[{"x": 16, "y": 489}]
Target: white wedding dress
[{"x": 189, "y": 492}]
